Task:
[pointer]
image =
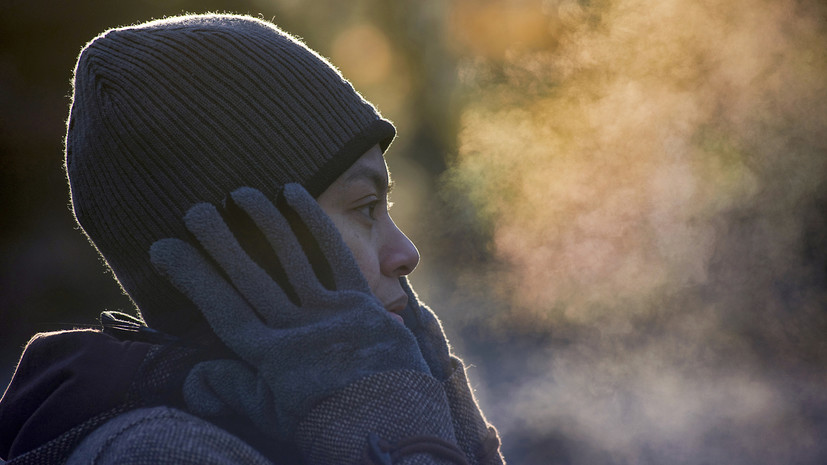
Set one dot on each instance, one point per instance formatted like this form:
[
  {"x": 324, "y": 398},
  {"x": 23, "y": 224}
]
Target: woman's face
[{"x": 357, "y": 202}]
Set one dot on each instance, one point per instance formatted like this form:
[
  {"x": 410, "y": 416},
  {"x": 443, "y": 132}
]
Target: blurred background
[{"x": 620, "y": 205}]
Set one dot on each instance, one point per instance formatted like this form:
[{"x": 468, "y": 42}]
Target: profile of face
[{"x": 357, "y": 202}]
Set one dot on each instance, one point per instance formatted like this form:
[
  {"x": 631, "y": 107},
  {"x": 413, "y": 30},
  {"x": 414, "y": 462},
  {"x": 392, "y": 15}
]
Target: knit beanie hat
[{"x": 183, "y": 110}]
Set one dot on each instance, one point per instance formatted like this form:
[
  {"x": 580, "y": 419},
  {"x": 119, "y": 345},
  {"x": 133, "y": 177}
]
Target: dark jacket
[{"x": 88, "y": 397}]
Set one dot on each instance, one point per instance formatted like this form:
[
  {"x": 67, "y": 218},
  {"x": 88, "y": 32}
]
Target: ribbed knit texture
[{"x": 173, "y": 112}]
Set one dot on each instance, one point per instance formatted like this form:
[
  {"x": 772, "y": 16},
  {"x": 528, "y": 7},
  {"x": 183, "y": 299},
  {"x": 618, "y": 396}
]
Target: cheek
[{"x": 367, "y": 260}]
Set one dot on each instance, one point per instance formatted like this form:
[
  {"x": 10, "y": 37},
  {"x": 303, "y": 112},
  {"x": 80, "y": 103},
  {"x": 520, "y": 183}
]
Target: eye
[{"x": 369, "y": 209}]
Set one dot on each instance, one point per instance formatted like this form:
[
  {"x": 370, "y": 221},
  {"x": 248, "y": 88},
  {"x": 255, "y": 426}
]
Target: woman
[{"x": 235, "y": 184}]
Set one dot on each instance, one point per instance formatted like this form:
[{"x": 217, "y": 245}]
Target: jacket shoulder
[{"x": 163, "y": 435}]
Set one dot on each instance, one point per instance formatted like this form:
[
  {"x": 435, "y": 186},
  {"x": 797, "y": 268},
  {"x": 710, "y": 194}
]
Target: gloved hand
[
  {"x": 429, "y": 334},
  {"x": 477, "y": 438},
  {"x": 302, "y": 328}
]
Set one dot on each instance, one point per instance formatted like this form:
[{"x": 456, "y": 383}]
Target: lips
[{"x": 396, "y": 307}]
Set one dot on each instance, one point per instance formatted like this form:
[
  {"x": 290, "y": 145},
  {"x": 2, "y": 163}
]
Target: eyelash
[{"x": 371, "y": 208}]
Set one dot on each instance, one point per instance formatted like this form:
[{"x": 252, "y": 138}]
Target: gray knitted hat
[{"x": 177, "y": 111}]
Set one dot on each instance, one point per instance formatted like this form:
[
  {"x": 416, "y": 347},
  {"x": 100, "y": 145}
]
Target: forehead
[{"x": 370, "y": 167}]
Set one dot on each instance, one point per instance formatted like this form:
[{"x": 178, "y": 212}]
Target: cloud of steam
[{"x": 652, "y": 179}]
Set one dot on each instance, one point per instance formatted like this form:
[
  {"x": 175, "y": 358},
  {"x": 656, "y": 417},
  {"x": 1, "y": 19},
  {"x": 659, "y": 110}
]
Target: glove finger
[
  {"x": 427, "y": 329},
  {"x": 263, "y": 293},
  {"x": 346, "y": 272},
  {"x": 255, "y": 243},
  {"x": 411, "y": 315},
  {"x": 227, "y": 312},
  {"x": 284, "y": 241}
]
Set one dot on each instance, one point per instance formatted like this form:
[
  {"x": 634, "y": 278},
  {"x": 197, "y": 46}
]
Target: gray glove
[
  {"x": 478, "y": 439},
  {"x": 429, "y": 334},
  {"x": 302, "y": 328}
]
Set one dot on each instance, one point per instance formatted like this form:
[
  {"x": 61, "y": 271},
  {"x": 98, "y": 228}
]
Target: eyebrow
[{"x": 376, "y": 178}]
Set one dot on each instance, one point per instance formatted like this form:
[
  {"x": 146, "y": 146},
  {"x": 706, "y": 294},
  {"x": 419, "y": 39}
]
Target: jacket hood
[{"x": 62, "y": 380}]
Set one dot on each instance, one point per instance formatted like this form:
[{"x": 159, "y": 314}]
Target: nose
[{"x": 399, "y": 254}]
